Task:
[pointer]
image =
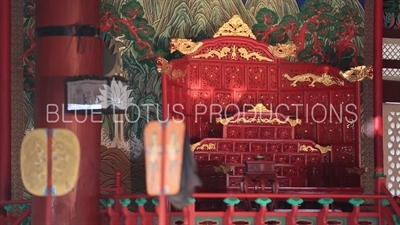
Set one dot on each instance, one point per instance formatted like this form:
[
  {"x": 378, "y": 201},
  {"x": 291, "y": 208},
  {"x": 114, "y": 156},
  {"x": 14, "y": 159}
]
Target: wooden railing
[
  {"x": 117, "y": 210},
  {"x": 386, "y": 210},
  {"x": 231, "y": 215}
]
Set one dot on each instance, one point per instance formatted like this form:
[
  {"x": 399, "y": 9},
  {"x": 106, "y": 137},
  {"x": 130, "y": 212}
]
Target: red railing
[
  {"x": 189, "y": 213},
  {"x": 385, "y": 208},
  {"x": 117, "y": 208}
]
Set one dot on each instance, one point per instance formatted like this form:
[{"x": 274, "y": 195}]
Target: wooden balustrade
[
  {"x": 290, "y": 217},
  {"x": 117, "y": 209}
]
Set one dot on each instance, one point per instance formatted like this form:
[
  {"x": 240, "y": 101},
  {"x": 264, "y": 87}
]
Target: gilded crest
[{"x": 235, "y": 27}]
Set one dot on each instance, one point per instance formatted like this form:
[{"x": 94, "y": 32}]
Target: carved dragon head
[{"x": 358, "y": 73}]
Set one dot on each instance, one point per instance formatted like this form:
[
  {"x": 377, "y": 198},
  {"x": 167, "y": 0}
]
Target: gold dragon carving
[
  {"x": 244, "y": 53},
  {"x": 203, "y": 147},
  {"x": 185, "y": 46},
  {"x": 226, "y": 121},
  {"x": 177, "y": 74},
  {"x": 219, "y": 53},
  {"x": 324, "y": 79},
  {"x": 308, "y": 148},
  {"x": 235, "y": 27},
  {"x": 283, "y": 50},
  {"x": 163, "y": 66},
  {"x": 358, "y": 73}
]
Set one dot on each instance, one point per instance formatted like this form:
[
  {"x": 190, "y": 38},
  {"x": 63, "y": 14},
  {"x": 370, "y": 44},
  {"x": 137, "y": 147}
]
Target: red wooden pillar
[
  {"x": 5, "y": 100},
  {"x": 59, "y": 57},
  {"x": 378, "y": 93}
]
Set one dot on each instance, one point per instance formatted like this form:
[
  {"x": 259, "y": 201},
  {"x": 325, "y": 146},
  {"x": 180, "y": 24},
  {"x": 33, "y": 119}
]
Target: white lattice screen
[
  {"x": 391, "y": 51},
  {"x": 391, "y": 146}
]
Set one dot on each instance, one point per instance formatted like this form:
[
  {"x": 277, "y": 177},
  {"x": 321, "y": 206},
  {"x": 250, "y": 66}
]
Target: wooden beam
[
  {"x": 391, "y": 91},
  {"x": 391, "y": 33},
  {"x": 391, "y": 63},
  {"x": 5, "y": 101}
]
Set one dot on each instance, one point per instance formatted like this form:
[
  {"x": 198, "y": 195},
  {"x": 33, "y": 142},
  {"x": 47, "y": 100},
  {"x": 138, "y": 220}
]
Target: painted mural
[{"x": 326, "y": 31}]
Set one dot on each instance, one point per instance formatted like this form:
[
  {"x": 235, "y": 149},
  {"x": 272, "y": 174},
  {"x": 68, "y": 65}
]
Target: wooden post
[
  {"x": 5, "y": 101},
  {"x": 163, "y": 201},
  {"x": 378, "y": 94},
  {"x": 63, "y": 51}
]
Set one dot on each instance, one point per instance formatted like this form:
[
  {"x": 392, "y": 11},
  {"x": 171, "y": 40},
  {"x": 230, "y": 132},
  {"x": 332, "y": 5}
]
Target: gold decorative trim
[
  {"x": 324, "y": 79},
  {"x": 358, "y": 73},
  {"x": 283, "y": 50},
  {"x": 259, "y": 108},
  {"x": 163, "y": 66},
  {"x": 219, "y": 53},
  {"x": 185, "y": 46},
  {"x": 204, "y": 147},
  {"x": 357, "y": 170},
  {"x": 177, "y": 74},
  {"x": 235, "y": 27},
  {"x": 223, "y": 169},
  {"x": 244, "y": 53},
  {"x": 308, "y": 148},
  {"x": 226, "y": 121}
]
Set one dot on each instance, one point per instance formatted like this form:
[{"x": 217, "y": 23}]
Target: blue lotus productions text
[{"x": 317, "y": 113}]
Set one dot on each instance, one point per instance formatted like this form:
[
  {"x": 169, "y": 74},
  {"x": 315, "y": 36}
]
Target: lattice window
[
  {"x": 391, "y": 136},
  {"x": 391, "y": 49},
  {"x": 391, "y": 73}
]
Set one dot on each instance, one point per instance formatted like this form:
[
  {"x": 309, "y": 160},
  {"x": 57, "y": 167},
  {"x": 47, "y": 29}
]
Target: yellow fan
[{"x": 65, "y": 156}]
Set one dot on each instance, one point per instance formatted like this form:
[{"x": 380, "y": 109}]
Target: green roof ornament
[
  {"x": 263, "y": 201},
  {"x": 109, "y": 202},
  {"x": 9, "y": 208},
  {"x": 325, "y": 201},
  {"x": 385, "y": 202},
  {"x": 141, "y": 201},
  {"x": 155, "y": 201},
  {"x": 23, "y": 206},
  {"x": 295, "y": 201},
  {"x": 125, "y": 201},
  {"x": 356, "y": 201},
  {"x": 231, "y": 201},
  {"x": 191, "y": 200}
]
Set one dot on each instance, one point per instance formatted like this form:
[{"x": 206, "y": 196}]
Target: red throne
[{"x": 242, "y": 98}]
